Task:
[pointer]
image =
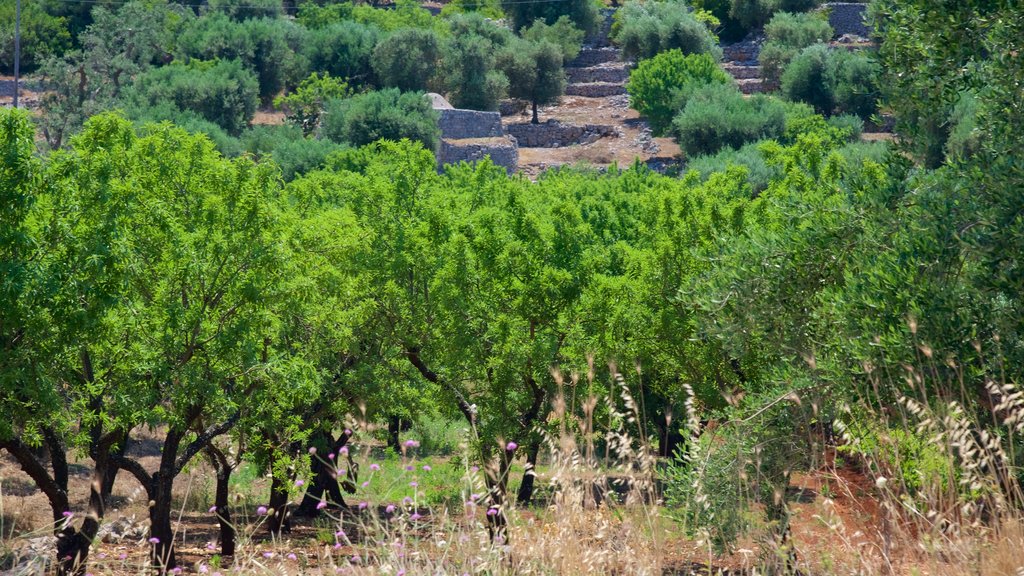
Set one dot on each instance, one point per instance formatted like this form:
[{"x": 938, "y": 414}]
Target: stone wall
[
  {"x": 458, "y": 124},
  {"x": 616, "y": 72},
  {"x": 554, "y": 134},
  {"x": 502, "y": 151},
  {"x": 847, "y": 18}
]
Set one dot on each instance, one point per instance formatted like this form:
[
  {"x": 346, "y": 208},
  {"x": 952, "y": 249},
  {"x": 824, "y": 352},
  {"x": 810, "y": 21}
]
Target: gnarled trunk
[
  {"x": 222, "y": 469},
  {"x": 527, "y": 487}
]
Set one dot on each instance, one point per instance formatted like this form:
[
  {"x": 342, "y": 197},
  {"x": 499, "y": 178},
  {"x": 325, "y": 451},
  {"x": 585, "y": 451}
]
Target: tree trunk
[
  {"x": 325, "y": 484},
  {"x": 535, "y": 118},
  {"x": 278, "y": 506},
  {"x": 73, "y": 545},
  {"x": 526, "y": 488},
  {"x": 116, "y": 454},
  {"x": 160, "y": 490},
  {"x": 223, "y": 471},
  {"x": 393, "y": 432}
]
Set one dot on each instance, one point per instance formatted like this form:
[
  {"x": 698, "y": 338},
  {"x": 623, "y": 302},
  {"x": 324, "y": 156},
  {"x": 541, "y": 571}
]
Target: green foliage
[
  {"x": 293, "y": 153},
  {"x": 582, "y": 13},
  {"x": 785, "y": 36},
  {"x": 808, "y": 78},
  {"x": 486, "y": 8},
  {"x": 964, "y": 136},
  {"x": 718, "y": 116},
  {"x": 644, "y": 29},
  {"x": 343, "y": 50},
  {"x": 469, "y": 65},
  {"x": 753, "y": 14},
  {"x": 407, "y": 59},
  {"x": 42, "y": 36},
  {"x": 385, "y": 114},
  {"x": 730, "y": 28},
  {"x": 260, "y": 43},
  {"x": 404, "y": 14},
  {"x": 852, "y": 125},
  {"x": 534, "y": 72},
  {"x": 659, "y": 87},
  {"x": 562, "y": 33},
  {"x": 304, "y": 106},
  {"x": 833, "y": 81},
  {"x": 222, "y": 92},
  {"x": 759, "y": 173},
  {"x": 188, "y": 120},
  {"x": 241, "y": 10},
  {"x": 314, "y": 16}
]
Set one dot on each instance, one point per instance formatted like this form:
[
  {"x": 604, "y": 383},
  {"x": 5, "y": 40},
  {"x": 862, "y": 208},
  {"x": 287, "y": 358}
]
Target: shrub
[
  {"x": 785, "y": 36},
  {"x": 259, "y": 43},
  {"x": 582, "y": 13},
  {"x": 855, "y": 75},
  {"x": 833, "y": 81},
  {"x": 304, "y": 106},
  {"x": 808, "y": 79},
  {"x": 405, "y": 14},
  {"x": 222, "y": 92},
  {"x": 964, "y": 137},
  {"x": 644, "y": 29},
  {"x": 191, "y": 122},
  {"x": 658, "y": 87},
  {"x": 246, "y": 9},
  {"x": 42, "y": 35},
  {"x": 749, "y": 156},
  {"x": 469, "y": 73},
  {"x": 344, "y": 50},
  {"x": 290, "y": 150},
  {"x": 407, "y": 59},
  {"x": 718, "y": 115},
  {"x": 753, "y": 14},
  {"x": 388, "y": 114},
  {"x": 730, "y": 28},
  {"x": 848, "y": 123}
]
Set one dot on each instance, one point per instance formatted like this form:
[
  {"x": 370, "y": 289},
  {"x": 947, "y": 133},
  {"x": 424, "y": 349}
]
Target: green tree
[
  {"x": 645, "y": 29},
  {"x": 407, "y": 59},
  {"x": 534, "y": 72},
  {"x": 469, "y": 73},
  {"x": 659, "y": 87},
  {"x": 562, "y": 33},
  {"x": 42, "y": 36},
  {"x": 385, "y": 114},
  {"x": 583, "y": 13},
  {"x": 304, "y": 106},
  {"x": 785, "y": 36},
  {"x": 222, "y": 92}
]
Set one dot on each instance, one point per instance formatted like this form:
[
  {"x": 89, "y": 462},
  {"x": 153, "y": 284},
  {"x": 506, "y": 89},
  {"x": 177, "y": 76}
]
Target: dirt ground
[{"x": 635, "y": 140}]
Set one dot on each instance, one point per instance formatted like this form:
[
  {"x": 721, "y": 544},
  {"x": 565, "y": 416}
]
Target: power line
[{"x": 268, "y": 8}]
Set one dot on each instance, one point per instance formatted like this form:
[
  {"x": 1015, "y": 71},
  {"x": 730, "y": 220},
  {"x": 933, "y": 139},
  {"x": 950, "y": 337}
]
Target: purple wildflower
[
  {"x": 321, "y": 505},
  {"x": 261, "y": 511},
  {"x": 511, "y": 446},
  {"x": 375, "y": 467},
  {"x": 154, "y": 540}
]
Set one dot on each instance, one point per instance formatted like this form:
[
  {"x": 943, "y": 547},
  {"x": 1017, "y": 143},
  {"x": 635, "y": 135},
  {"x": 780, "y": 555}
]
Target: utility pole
[{"x": 17, "y": 47}]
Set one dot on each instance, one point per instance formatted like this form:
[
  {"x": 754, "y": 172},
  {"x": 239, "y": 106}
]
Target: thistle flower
[
  {"x": 261, "y": 511},
  {"x": 492, "y": 511},
  {"x": 511, "y": 446},
  {"x": 300, "y": 483},
  {"x": 321, "y": 505},
  {"x": 363, "y": 505},
  {"x": 292, "y": 556},
  {"x": 427, "y": 468},
  {"x": 154, "y": 540},
  {"x": 212, "y": 509},
  {"x": 415, "y": 516},
  {"x": 412, "y": 444},
  {"x": 312, "y": 450},
  {"x": 375, "y": 467},
  {"x": 390, "y": 509},
  {"x": 344, "y": 450}
]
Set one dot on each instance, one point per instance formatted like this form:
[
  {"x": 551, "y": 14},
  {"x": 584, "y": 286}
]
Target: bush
[
  {"x": 42, "y": 36},
  {"x": 753, "y": 14},
  {"x": 833, "y": 81},
  {"x": 405, "y": 14},
  {"x": 785, "y": 36},
  {"x": 582, "y": 13},
  {"x": 290, "y": 150},
  {"x": 304, "y": 105},
  {"x": 718, "y": 115},
  {"x": 534, "y": 71},
  {"x": 259, "y": 43},
  {"x": 964, "y": 137},
  {"x": 808, "y": 79},
  {"x": 855, "y": 75},
  {"x": 191, "y": 122},
  {"x": 658, "y": 87},
  {"x": 388, "y": 114},
  {"x": 240, "y": 10},
  {"x": 469, "y": 73},
  {"x": 759, "y": 174},
  {"x": 222, "y": 92},
  {"x": 730, "y": 29},
  {"x": 407, "y": 59},
  {"x": 644, "y": 29},
  {"x": 344, "y": 50},
  {"x": 848, "y": 123}
]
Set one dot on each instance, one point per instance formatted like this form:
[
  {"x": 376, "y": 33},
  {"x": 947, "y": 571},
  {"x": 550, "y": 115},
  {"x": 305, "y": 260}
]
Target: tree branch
[
  {"x": 204, "y": 439},
  {"x": 413, "y": 355}
]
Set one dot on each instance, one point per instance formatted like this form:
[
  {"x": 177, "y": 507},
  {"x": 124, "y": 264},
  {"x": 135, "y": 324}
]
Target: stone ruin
[{"x": 472, "y": 135}]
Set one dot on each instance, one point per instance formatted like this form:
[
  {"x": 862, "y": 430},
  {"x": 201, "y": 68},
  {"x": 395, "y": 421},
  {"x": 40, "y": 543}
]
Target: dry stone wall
[
  {"x": 555, "y": 134},
  {"x": 503, "y": 151},
  {"x": 848, "y": 18},
  {"x": 458, "y": 124}
]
